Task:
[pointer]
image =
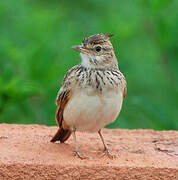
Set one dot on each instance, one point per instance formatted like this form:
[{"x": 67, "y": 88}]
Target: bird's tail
[{"x": 62, "y": 135}]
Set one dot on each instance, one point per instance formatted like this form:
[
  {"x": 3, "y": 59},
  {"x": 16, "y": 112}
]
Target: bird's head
[{"x": 97, "y": 52}]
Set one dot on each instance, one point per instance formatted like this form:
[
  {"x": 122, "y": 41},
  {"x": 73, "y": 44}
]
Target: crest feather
[{"x": 97, "y": 38}]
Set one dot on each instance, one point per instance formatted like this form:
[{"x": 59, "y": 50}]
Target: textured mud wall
[{"x": 26, "y": 153}]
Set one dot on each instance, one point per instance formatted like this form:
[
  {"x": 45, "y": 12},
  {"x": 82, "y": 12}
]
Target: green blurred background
[{"x": 35, "y": 41}]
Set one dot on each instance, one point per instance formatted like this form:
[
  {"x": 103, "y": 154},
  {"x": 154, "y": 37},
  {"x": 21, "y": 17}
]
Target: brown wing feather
[
  {"x": 61, "y": 101},
  {"x": 64, "y": 131},
  {"x": 125, "y": 92},
  {"x": 63, "y": 97}
]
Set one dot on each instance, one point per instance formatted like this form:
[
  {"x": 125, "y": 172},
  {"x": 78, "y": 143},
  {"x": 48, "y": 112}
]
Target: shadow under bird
[{"x": 92, "y": 93}]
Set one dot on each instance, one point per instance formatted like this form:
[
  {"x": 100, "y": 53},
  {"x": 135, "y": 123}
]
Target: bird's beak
[{"x": 80, "y": 49}]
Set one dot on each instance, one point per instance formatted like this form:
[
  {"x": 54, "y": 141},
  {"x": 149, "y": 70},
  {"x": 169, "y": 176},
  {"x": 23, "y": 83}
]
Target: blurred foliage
[{"x": 35, "y": 41}]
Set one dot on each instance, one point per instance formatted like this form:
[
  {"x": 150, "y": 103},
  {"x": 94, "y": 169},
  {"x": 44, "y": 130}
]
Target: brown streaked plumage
[
  {"x": 63, "y": 132},
  {"x": 92, "y": 92}
]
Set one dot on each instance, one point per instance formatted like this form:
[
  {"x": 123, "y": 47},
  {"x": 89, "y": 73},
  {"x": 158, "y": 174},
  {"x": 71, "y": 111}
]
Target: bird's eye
[{"x": 98, "y": 48}]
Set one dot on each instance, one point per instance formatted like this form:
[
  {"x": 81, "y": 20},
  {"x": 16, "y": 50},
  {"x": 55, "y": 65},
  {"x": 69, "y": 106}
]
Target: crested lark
[{"x": 92, "y": 92}]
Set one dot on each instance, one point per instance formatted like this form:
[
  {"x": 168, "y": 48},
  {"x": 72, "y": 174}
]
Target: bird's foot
[
  {"x": 81, "y": 156},
  {"x": 106, "y": 152}
]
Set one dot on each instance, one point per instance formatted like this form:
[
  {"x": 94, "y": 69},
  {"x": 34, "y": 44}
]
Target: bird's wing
[
  {"x": 64, "y": 132},
  {"x": 125, "y": 91},
  {"x": 62, "y": 100},
  {"x": 65, "y": 94},
  {"x": 124, "y": 85}
]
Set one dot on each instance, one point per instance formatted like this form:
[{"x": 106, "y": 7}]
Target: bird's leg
[
  {"x": 106, "y": 150},
  {"x": 77, "y": 152}
]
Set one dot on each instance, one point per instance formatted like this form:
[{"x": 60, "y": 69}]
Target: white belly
[{"x": 92, "y": 112}]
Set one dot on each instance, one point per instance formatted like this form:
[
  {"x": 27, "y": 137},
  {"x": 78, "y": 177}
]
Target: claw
[
  {"x": 81, "y": 156},
  {"x": 77, "y": 153},
  {"x": 106, "y": 152}
]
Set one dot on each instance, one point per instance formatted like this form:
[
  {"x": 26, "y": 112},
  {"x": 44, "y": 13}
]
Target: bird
[{"x": 92, "y": 92}]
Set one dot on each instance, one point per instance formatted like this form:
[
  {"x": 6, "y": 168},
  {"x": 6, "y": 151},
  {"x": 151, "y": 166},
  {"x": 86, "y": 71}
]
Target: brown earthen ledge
[{"x": 27, "y": 153}]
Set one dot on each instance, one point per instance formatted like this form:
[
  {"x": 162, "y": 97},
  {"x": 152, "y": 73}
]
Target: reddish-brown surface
[{"x": 27, "y": 153}]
